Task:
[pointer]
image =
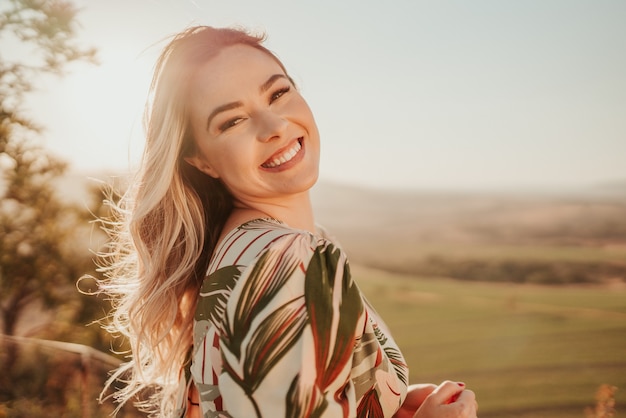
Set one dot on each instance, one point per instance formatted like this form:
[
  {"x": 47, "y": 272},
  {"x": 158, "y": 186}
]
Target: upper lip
[{"x": 282, "y": 150}]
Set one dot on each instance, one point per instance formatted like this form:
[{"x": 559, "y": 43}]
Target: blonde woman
[{"x": 234, "y": 302}]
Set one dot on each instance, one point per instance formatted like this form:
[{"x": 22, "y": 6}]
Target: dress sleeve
[{"x": 288, "y": 331}]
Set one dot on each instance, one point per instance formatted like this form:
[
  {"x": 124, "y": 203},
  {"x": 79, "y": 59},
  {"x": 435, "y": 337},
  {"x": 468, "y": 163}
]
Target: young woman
[{"x": 234, "y": 302}]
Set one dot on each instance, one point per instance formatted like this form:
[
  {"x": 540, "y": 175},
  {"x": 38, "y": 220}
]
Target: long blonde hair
[{"x": 165, "y": 229}]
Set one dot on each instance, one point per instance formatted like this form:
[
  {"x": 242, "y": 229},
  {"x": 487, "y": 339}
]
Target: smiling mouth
[{"x": 284, "y": 157}]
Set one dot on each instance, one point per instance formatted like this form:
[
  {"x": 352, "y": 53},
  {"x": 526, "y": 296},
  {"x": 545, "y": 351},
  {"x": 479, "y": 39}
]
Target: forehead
[{"x": 235, "y": 68}]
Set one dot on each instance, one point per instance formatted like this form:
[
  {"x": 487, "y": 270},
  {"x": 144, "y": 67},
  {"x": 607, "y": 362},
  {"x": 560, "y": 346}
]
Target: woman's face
[{"x": 252, "y": 128}]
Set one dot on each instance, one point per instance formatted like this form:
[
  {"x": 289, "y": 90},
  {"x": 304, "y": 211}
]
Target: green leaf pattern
[{"x": 285, "y": 331}]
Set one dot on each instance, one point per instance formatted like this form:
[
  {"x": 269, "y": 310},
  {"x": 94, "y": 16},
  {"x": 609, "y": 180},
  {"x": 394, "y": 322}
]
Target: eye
[
  {"x": 229, "y": 124},
  {"x": 278, "y": 93}
]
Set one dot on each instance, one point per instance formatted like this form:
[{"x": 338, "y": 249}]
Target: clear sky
[{"x": 407, "y": 93}]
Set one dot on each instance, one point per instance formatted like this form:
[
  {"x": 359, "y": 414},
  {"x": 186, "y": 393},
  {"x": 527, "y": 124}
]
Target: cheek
[
  {"x": 206, "y": 161},
  {"x": 311, "y": 119},
  {"x": 233, "y": 159},
  {"x": 304, "y": 108}
]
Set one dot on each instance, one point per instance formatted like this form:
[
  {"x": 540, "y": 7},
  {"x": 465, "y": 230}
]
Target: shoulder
[{"x": 245, "y": 243}]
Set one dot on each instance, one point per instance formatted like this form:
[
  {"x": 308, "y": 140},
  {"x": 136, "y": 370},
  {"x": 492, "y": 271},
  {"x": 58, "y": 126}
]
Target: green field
[{"x": 527, "y": 351}]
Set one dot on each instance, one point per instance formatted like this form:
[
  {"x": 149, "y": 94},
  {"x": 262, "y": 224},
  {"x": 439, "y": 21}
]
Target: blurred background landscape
[
  {"x": 517, "y": 288},
  {"x": 522, "y": 296}
]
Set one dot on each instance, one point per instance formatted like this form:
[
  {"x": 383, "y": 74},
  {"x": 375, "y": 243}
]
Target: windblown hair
[{"x": 165, "y": 228}]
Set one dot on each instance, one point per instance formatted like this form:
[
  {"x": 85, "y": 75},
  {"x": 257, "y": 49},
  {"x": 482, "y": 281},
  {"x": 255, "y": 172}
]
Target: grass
[
  {"x": 534, "y": 252},
  {"x": 527, "y": 351},
  {"x": 409, "y": 253}
]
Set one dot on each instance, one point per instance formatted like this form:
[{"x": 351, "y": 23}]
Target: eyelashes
[
  {"x": 278, "y": 93},
  {"x": 230, "y": 123}
]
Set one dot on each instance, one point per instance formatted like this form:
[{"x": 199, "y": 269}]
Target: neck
[{"x": 295, "y": 211}]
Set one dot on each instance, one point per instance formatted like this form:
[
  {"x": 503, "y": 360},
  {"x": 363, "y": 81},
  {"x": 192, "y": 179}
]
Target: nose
[{"x": 270, "y": 125}]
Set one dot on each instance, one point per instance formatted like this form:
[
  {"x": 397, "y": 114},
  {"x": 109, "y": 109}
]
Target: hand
[
  {"x": 449, "y": 400},
  {"x": 415, "y": 396}
]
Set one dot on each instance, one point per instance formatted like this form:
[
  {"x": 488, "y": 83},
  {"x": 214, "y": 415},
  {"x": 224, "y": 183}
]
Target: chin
[
  {"x": 313, "y": 180},
  {"x": 301, "y": 184}
]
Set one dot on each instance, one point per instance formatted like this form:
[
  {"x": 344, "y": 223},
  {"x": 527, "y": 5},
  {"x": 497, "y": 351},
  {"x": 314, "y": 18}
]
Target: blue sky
[{"x": 487, "y": 94}]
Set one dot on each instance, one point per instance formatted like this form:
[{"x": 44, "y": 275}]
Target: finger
[
  {"x": 469, "y": 397},
  {"x": 466, "y": 403},
  {"x": 417, "y": 393},
  {"x": 447, "y": 391}
]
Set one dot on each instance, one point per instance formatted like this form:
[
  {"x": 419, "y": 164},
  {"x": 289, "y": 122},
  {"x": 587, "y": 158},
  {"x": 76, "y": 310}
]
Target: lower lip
[{"x": 286, "y": 166}]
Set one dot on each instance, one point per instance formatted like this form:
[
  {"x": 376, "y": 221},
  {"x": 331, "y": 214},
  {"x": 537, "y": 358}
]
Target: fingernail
[{"x": 460, "y": 384}]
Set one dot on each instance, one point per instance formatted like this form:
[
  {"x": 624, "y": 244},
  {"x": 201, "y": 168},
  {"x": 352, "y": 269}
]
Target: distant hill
[
  {"x": 406, "y": 230},
  {"x": 573, "y": 237},
  {"x": 465, "y": 217},
  {"x": 362, "y": 216}
]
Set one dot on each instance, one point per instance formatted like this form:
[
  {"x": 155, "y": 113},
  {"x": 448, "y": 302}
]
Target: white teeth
[{"x": 286, "y": 156}]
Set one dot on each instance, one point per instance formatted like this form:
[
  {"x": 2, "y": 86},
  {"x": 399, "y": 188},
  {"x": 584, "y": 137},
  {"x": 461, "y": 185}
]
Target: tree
[{"x": 37, "y": 228}]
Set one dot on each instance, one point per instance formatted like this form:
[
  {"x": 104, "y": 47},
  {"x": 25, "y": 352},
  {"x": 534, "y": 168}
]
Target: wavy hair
[{"x": 164, "y": 229}]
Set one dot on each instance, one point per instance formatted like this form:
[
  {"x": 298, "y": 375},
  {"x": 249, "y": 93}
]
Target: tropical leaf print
[
  {"x": 272, "y": 339},
  {"x": 276, "y": 331},
  {"x": 370, "y": 406},
  {"x": 367, "y": 345},
  {"x": 215, "y": 292},
  {"x": 365, "y": 361},
  {"x": 394, "y": 355},
  {"x": 334, "y": 305},
  {"x": 399, "y": 365},
  {"x": 281, "y": 329},
  {"x": 268, "y": 275},
  {"x": 307, "y": 403}
]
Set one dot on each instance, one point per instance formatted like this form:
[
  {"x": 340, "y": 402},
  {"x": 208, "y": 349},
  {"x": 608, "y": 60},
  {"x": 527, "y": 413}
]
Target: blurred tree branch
[
  {"x": 38, "y": 229},
  {"x": 46, "y": 31}
]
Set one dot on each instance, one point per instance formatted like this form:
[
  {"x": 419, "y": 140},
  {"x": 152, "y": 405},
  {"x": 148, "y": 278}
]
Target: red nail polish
[{"x": 460, "y": 384}]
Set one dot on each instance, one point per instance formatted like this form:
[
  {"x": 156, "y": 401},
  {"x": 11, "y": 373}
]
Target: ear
[{"x": 202, "y": 165}]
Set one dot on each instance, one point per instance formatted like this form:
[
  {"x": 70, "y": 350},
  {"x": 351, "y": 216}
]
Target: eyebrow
[
  {"x": 220, "y": 109},
  {"x": 265, "y": 86},
  {"x": 233, "y": 105}
]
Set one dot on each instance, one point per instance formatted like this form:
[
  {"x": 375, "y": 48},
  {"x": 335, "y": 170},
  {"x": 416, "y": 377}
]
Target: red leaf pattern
[{"x": 282, "y": 330}]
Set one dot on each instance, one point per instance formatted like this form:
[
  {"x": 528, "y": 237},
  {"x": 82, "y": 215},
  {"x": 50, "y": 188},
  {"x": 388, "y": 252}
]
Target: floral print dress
[{"x": 282, "y": 330}]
